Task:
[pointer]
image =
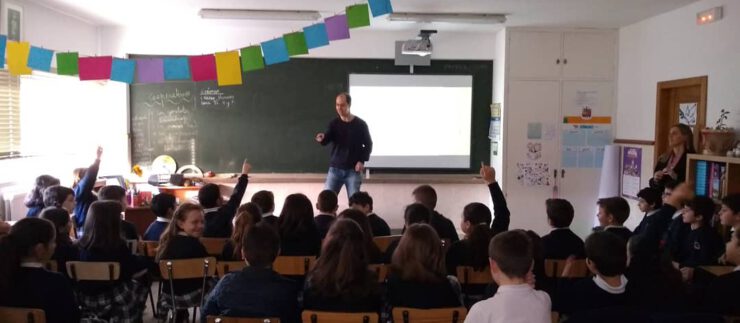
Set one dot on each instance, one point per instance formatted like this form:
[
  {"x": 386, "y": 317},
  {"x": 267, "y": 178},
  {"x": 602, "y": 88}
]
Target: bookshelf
[{"x": 714, "y": 186}]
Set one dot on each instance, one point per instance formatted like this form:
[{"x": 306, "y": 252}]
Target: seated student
[
  {"x": 606, "y": 258},
  {"x": 298, "y": 233},
  {"x": 703, "y": 245},
  {"x": 23, "y": 280},
  {"x": 654, "y": 284},
  {"x": 341, "y": 281},
  {"x": 163, "y": 206},
  {"x": 181, "y": 241},
  {"x": 723, "y": 293},
  {"x": 61, "y": 197},
  {"x": 115, "y": 193},
  {"x": 677, "y": 229},
  {"x": 257, "y": 290},
  {"x": 374, "y": 255},
  {"x": 35, "y": 199},
  {"x": 414, "y": 213},
  {"x": 247, "y": 217},
  {"x": 510, "y": 260},
  {"x": 266, "y": 201},
  {"x": 65, "y": 250},
  {"x": 613, "y": 211},
  {"x": 219, "y": 216},
  {"x": 657, "y": 228},
  {"x": 84, "y": 182},
  {"x": 650, "y": 201},
  {"x": 561, "y": 242},
  {"x": 729, "y": 213},
  {"x": 125, "y": 298},
  {"x": 327, "y": 206},
  {"x": 417, "y": 277},
  {"x": 427, "y": 196},
  {"x": 364, "y": 202}
]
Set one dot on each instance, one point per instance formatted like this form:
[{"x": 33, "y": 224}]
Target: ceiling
[{"x": 562, "y": 13}]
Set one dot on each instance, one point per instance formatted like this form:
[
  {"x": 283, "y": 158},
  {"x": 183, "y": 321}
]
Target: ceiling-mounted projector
[{"x": 421, "y": 46}]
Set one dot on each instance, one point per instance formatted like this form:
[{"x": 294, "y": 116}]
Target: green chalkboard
[{"x": 272, "y": 118}]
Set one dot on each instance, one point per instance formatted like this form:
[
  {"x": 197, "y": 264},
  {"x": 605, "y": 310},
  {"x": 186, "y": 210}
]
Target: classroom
[{"x": 582, "y": 153}]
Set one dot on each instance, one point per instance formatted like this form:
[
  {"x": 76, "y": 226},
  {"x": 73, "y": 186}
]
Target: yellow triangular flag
[
  {"x": 18, "y": 58},
  {"x": 228, "y": 68}
]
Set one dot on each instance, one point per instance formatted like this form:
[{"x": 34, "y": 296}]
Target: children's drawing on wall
[
  {"x": 534, "y": 150},
  {"x": 533, "y": 174},
  {"x": 687, "y": 113}
]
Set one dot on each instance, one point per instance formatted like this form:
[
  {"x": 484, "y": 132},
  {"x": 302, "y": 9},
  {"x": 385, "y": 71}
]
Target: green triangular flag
[
  {"x": 358, "y": 16},
  {"x": 252, "y": 58},
  {"x": 67, "y": 64},
  {"x": 296, "y": 43}
]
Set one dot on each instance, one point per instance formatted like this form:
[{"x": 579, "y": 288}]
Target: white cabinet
[
  {"x": 589, "y": 55},
  {"x": 537, "y": 54}
]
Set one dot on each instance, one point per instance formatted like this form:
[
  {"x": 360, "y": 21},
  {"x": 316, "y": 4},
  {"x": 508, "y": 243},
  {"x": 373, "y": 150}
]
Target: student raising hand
[
  {"x": 246, "y": 167},
  {"x": 99, "y": 152},
  {"x": 488, "y": 173}
]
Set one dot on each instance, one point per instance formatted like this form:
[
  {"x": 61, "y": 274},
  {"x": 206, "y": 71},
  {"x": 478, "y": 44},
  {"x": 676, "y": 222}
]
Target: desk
[{"x": 182, "y": 193}]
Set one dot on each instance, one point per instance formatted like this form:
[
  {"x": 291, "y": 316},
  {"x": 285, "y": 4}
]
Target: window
[{"x": 10, "y": 116}]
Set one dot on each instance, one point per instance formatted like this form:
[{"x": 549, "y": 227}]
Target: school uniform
[
  {"x": 35, "y": 287},
  {"x": 722, "y": 295},
  {"x": 128, "y": 230},
  {"x": 512, "y": 304},
  {"x": 379, "y": 227},
  {"x": 323, "y": 223},
  {"x": 444, "y": 227},
  {"x": 368, "y": 301},
  {"x": 227, "y": 253},
  {"x": 561, "y": 243},
  {"x": 640, "y": 228},
  {"x": 620, "y": 231},
  {"x": 34, "y": 210},
  {"x": 307, "y": 243},
  {"x": 84, "y": 195},
  {"x": 702, "y": 247},
  {"x": 404, "y": 293},
  {"x": 155, "y": 230},
  {"x": 64, "y": 252},
  {"x": 588, "y": 294},
  {"x": 388, "y": 255},
  {"x": 184, "y": 247},
  {"x": 271, "y": 220},
  {"x": 129, "y": 263},
  {"x": 219, "y": 219},
  {"x": 677, "y": 232}
]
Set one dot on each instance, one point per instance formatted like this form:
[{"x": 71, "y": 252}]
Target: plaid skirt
[
  {"x": 123, "y": 304},
  {"x": 182, "y": 302}
]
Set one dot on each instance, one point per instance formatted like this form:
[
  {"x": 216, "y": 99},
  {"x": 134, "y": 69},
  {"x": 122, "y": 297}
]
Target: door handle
[
  {"x": 565, "y": 61},
  {"x": 557, "y": 61},
  {"x": 562, "y": 173}
]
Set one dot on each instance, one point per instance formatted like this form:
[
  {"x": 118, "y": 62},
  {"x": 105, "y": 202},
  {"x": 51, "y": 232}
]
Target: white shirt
[
  {"x": 161, "y": 219},
  {"x": 213, "y": 209},
  {"x": 512, "y": 304},
  {"x": 736, "y": 268}
]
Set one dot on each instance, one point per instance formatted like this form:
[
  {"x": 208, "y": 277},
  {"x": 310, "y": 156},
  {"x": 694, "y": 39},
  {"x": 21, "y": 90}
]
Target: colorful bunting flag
[
  {"x": 203, "y": 68},
  {"x": 123, "y": 70},
  {"x": 296, "y": 43},
  {"x": 95, "y": 68},
  {"x": 380, "y": 7},
  {"x": 150, "y": 70},
  {"x": 67, "y": 63},
  {"x": 18, "y": 58},
  {"x": 3, "y": 44},
  {"x": 275, "y": 51},
  {"x": 252, "y": 58},
  {"x": 40, "y": 59},
  {"x": 228, "y": 69},
  {"x": 358, "y": 16},
  {"x": 316, "y": 36},
  {"x": 176, "y": 68},
  {"x": 337, "y": 28}
]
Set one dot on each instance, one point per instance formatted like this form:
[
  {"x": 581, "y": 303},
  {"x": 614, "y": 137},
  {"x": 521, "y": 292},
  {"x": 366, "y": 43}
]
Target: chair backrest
[
  {"x": 87, "y": 270},
  {"x": 293, "y": 265},
  {"x": 468, "y": 275},
  {"x": 339, "y": 317},
  {"x": 554, "y": 268},
  {"x": 224, "y": 319},
  {"x": 150, "y": 248},
  {"x": 133, "y": 245},
  {"x": 188, "y": 268},
  {"x": 214, "y": 246},
  {"x": 22, "y": 315},
  {"x": 225, "y": 267},
  {"x": 385, "y": 241},
  {"x": 434, "y": 315},
  {"x": 51, "y": 265},
  {"x": 381, "y": 270},
  {"x": 554, "y": 317}
]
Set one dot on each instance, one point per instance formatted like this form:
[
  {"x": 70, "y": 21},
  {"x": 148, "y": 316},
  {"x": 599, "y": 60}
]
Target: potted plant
[{"x": 719, "y": 139}]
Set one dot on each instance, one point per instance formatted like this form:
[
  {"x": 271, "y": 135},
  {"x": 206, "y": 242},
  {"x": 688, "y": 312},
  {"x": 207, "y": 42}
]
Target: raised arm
[
  {"x": 241, "y": 186},
  {"x": 502, "y": 215},
  {"x": 86, "y": 184}
]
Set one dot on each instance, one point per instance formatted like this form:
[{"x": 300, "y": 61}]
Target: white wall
[
  {"x": 54, "y": 30},
  {"x": 499, "y": 88}
]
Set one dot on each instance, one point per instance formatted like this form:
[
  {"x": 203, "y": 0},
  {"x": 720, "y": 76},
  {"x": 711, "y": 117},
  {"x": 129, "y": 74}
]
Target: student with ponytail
[
  {"x": 66, "y": 250},
  {"x": 35, "y": 199},
  {"x": 23, "y": 280}
]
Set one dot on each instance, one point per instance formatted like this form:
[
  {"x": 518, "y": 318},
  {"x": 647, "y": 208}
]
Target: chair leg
[
  {"x": 151, "y": 301},
  {"x": 195, "y": 310}
]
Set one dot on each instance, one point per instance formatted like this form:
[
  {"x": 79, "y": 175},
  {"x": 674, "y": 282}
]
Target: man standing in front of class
[{"x": 351, "y": 147}]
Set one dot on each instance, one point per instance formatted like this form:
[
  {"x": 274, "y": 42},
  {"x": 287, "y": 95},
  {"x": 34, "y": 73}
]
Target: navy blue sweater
[
  {"x": 155, "y": 230},
  {"x": 49, "y": 291},
  {"x": 218, "y": 222},
  {"x": 352, "y": 142},
  {"x": 84, "y": 195}
]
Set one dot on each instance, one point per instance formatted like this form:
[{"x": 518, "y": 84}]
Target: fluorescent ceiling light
[
  {"x": 461, "y": 18},
  {"x": 295, "y": 15}
]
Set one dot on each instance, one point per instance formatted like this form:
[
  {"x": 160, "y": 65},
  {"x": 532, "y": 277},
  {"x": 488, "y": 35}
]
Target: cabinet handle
[
  {"x": 565, "y": 61},
  {"x": 562, "y": 173},
  {"x": 557, "y": 61}
]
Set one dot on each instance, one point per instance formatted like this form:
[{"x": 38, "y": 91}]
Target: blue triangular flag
[
  {"x": 275, "y": 51},
  {"x": 123, "y": 70},
  {"x": 316, "y": 35},
  {"x": 176, "y": 68},
  {"x": 3, "y": 44},
  {"x": 40, "y": 59},
  {"x": 380, "y": 7}
]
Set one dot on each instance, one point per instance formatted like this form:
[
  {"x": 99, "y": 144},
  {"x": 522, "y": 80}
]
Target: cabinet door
[
  {"x": 589, "y": 55},
  {"x": 534, "y": 55},
  {"x": 535, "y": 104}
]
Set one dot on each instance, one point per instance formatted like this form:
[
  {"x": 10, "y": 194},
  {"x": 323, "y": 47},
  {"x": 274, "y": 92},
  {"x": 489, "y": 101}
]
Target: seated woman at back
[
  {"x": 23, "y": 280},
  {"x": 298, "y": 233},
  {"x": 417, "y": 276},
  {"x": 341, "y": 281},
  {"x": 66, "y": 250},
  {"x": 35, "y": 199},
  {"x": 247, "y": 216},
  {"x": 373, "y": 252},
  {"x": 102, "y": 241}
]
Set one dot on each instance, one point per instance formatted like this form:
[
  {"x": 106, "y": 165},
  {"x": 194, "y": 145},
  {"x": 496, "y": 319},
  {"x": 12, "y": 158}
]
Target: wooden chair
[
  {"x": 554, "y": 317},
  {"x": 293, "y": 265},
  {"x": 95, "y": 271},
  {"x": 435, "y": 315},
  {"x": 150, "y": 248},
  {"x": 467, "y": 275},
  {"x": 225, "y": 267},
  {"x": 554, "y": 268},
  {"x": 51, "y": 265},
  {"x": 385, "y": 241},
  {"x": 338, "y": 317},
  {"x": 21, "y": 315},
  {"x": 133, "y": 246},
  {"x": 214, "y": 246},
  {"x": 718, "y": 270},
  {"x": 224, "y": 319},
  {"x": 187, "y": 269},
  {"x": 381, "y": 270}
]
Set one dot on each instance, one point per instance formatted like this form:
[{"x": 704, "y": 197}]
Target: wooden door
[{"x": 670, "y": 96}]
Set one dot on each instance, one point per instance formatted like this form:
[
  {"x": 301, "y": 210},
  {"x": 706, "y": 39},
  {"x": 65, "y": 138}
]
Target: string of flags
[{"x": 224, "y": 67}]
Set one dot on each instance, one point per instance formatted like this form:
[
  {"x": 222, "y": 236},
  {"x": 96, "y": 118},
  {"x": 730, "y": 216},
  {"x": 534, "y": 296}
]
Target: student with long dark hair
[
  {"x": 35, "y": 199},
  {"x": 117, "y": 194},
  {"x": 66, "y": 250},
  {"x": 375, "y": 256},
  {"x": 298, "y": 233},
  {"x": 414, "y": 213},
  {"x": 247, "y": 216},
  {"x": 23, "y": 280},
  {"x": 84, "y": 183}
]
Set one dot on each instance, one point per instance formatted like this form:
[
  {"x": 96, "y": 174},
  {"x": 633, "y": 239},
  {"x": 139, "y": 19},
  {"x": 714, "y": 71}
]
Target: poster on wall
[
  {"x": 533, "y": 174},
  {"x": 631, "y": 170},
  {"x": 687, "y": 114}
]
